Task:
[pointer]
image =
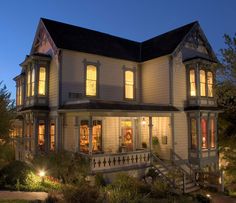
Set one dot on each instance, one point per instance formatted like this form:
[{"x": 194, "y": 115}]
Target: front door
[{"x": 127, "y": 134}]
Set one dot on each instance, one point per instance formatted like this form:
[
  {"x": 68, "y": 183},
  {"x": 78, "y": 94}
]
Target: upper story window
[
  {"x": 32, "y": 82},
  {"x": 42, "y": 81},
  {"x": 28, "y": 83},
  {"x": 210, "y": 84},
  {"x": 19, "y": 93},
  {"x": 192, "y": 83},
  {"x": 202, "y": 83},
  {"x": 129, "y": 84},
  {"x": 205, "y": 83},
  {"x": 91, "y": 80}
]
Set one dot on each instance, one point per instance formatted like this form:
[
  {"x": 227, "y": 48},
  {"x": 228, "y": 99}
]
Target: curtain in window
[{"x": 204, "y": 132}]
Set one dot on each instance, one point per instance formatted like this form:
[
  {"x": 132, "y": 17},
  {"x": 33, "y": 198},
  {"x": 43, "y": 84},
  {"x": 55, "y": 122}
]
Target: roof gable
[{"x": 75, "y": 38}]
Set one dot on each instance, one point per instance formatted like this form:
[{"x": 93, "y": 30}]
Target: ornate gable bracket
[
  {"x": 41, "y": 38},
  {"x": 196, "y": 37}
]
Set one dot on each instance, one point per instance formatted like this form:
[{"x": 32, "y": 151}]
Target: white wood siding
[
  {"x": 181, "y": 134},
  {"x": 110, "y": 75},
  {"x": 179, "y": 82},
  {"x": 155, "y": 81}
]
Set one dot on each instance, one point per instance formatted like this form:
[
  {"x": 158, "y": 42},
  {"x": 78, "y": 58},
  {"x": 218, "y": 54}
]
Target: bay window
[
  {"x": 52, "y": 136},
  {"x": 212, "y": 132},
  {"x": 28, "y": 83},
  {"x": 32, "y": 82},
  {"x": 204, "y": 133},
  {"x": 91, "y": 80},
  {"x": 41, "y": 136},
  {"x": 19, "y": 93},
  {"x": 129, "y": 85},
  {"x": 42, "y": 81}
]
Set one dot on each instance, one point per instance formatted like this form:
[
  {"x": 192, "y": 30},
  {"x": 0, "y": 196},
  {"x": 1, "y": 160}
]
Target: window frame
[
  {"x": 195, "y": 81},
  {"x": 212, "y": 84},
  {"x": 204, "y": 83},
  {"x": 45, "y": 82}
]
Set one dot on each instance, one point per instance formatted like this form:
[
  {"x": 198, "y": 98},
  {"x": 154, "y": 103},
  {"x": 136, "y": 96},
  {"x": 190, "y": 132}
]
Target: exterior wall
[
  {"x": 110, "y": 75},
  {"x": 53, "y": 82},
  {"x": 155, "y": 81},
  {"x": 179, "y": 82},
  {"x": 181, "y": 134}
]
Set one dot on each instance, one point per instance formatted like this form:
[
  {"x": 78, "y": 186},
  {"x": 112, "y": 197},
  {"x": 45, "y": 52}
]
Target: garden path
[{"x": 9, "y": 195}]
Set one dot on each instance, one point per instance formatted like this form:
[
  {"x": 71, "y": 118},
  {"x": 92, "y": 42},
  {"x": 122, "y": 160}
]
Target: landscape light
[
  {"x": 208, "y": 195},
  {"x": 41, "y": 173}
]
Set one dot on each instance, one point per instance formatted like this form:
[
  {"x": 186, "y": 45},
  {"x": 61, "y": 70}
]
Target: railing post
[
  {"x": 150, "y": 133},
  {"x": 184, "y": 182}
]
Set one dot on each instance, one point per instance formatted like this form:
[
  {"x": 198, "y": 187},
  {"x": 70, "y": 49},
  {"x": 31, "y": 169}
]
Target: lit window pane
[
  {"x": 212, "y": 132},
  {"x": 210, "y": 84},
  {"x": 41, "y": 136},
  {"x": 28, "y": 83},
  {"x": 202, "y": 83},
  {"x": 32, "y": 81},
  {"x": 192, "y": 83},
  {"x": 52, "y": 137},
  {"x": 129, "y": 85},
  {"x": 204, "y": 132},
  {"x": 91, "y": 80},
  {"x": 42, "y": 81}
]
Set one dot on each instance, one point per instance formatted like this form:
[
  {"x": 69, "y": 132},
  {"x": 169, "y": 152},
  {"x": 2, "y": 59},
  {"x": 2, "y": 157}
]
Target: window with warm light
[
  {"x": 212, "y": 132},
  {"x": 41, "y": 136},
  {"x": 204, "y": 133},
  {"x": 192, "y": 83},
  {"x": 52, "y": 137},
  {"x": 28, "y": 83},
  {"x": 91, "y": 80},
  {"x": 202, "y": 83},
  {"x": 42, "y": 81},
  {"x": 193, "y": 125},
  {"x": 210, "y": 84},
  {"x": 129, "y": 84},
  {"x": 32, "y": 81},
  {"x": 19, "y": 94}
]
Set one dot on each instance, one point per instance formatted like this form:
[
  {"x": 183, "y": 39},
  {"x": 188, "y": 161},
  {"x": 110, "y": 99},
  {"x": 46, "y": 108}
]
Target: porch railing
[{"x": 129, "y": 160}]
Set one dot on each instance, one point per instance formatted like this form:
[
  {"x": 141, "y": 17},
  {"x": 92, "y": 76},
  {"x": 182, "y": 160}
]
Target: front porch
[{"x": 115, "y": 143}]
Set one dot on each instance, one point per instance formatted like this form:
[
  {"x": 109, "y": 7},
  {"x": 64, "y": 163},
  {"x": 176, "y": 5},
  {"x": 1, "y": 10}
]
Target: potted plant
[
  {"x": 144, "y": 145},
  {"x": 122, "y": 148}
]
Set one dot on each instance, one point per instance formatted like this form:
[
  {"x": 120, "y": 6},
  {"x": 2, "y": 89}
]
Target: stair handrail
[{"x": 192, "y": 173}]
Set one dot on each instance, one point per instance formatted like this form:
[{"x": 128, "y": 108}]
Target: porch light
[
  {"x": 208, "y": 195},
  {"x": 41, "y": 173},
  {"x": 143, "y": 121}
]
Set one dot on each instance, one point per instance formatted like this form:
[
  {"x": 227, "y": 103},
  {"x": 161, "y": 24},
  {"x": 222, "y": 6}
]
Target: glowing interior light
[{"x": 41, "y": 173}]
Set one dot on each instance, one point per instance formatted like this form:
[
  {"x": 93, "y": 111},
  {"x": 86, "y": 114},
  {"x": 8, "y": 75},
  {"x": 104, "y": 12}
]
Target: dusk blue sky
[{"x": 132, "y": 19}]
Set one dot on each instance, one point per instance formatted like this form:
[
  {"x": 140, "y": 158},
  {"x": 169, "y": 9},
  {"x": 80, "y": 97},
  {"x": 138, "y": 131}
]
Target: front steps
[{"x": 182, "y": 182}]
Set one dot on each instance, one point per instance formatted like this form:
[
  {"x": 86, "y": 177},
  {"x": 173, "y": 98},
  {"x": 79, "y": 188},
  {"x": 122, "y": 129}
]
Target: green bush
[
  {"x": 69, "y": 167},
  {"x": 159, "y": 189},
  {"x": 80, "y": 193},
  {"x": 7, "y": 154},
  {"x": 99, "y": 180},
  {"x": 14, "y": 173}
]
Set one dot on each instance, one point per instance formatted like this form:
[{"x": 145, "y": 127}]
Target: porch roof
[{"x": 115, "y": 105}]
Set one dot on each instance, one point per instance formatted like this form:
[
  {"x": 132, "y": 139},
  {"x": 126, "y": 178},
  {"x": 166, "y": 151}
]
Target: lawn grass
[{"x": 14, "y": 201}]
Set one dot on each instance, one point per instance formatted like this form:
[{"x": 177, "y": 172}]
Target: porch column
[
  {"x": 150, "y": 132},
  {"x": 90, "y": 135}
]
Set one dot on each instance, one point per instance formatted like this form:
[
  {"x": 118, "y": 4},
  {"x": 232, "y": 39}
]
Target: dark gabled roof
[
  {"x": 166, "y": 43},
  {"x": 114, "y": 105},
  {"x": 75, "y": 38}
]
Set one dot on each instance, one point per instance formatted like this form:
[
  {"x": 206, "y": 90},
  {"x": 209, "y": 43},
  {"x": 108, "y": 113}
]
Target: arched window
[
  {"x": 129, "y": 85},
  {"x": 91, "y": 80},
  {"x": 192, "y": 83},
  {"x": 28, "y": 83},
  {"x": 210, "y": 84},
  {"x": 202, "y": 83}
]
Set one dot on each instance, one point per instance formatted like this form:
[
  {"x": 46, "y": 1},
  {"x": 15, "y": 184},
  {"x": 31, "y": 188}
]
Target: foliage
[
  {"x": 99, "y": 180},
  {"x": 70, "y": 168},
  {"x": 226, "y": 97},
  {"x": 14, "y": 172},
  {"x": 159, "y": 188},
  {"x": 7, "y": 153},
  {"x": 155, "y": 141},
  {"x": 80, "y": 193},
  {"x": 6, "y": 112}
]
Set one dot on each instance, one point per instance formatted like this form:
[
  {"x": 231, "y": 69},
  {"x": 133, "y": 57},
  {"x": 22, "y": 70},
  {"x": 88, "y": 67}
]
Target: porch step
[{"x": 192, "y": 189}]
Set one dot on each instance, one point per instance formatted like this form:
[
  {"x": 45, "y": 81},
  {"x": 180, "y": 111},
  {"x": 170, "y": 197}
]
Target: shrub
[
  {"x": 81, "y": 193},
  {"x": 13, "y": 174},
  {"x": 159, "y": 189},
  {"x": 7, "y": 153},
  {"x": 99, "y": 180},
  {"x": 69, "y": 167}
]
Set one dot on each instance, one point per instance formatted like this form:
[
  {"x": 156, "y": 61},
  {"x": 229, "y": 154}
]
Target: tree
[
  {"x": 6, "y": 112},
  {"x": 226, "y": 97}
]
